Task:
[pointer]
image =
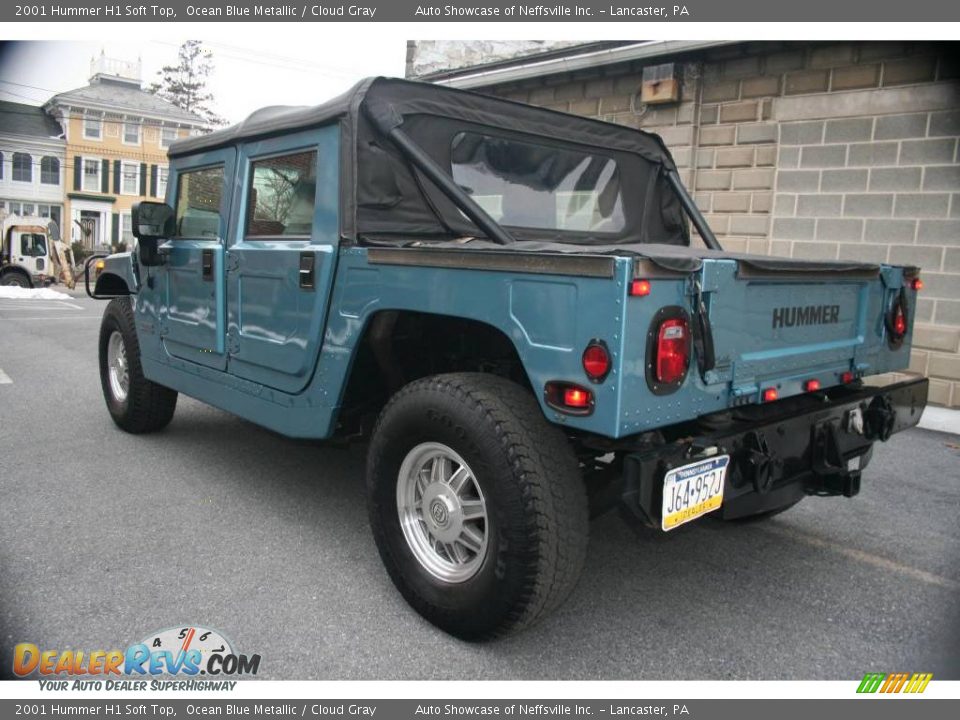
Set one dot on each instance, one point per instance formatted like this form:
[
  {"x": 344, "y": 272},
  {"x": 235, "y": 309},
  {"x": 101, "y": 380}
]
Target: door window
[
  {"x": 280, "y": 199},
  {"x": 199, "y": 196},
  {"x": 33, "y": 245}
]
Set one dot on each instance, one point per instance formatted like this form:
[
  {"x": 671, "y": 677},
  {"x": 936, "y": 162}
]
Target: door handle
[
  {"x": 307, "y": 260},
  {"x": 206, "y": 264}
]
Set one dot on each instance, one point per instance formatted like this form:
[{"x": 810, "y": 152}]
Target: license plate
[{"x": 693, "y": 490}]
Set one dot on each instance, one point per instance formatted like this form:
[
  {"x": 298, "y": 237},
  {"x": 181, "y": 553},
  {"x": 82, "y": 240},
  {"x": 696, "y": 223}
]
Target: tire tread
[{"x": 150, "y": 407}]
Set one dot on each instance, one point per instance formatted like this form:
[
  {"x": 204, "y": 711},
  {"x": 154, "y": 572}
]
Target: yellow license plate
[{"x": 693, "y": 490}]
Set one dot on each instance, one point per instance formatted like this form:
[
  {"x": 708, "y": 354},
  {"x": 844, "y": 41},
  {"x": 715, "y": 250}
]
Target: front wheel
[
  {"x": 476, "y": 504},
  {"x": 15, "y": 279},
  {"x": 136, "y": 404}
]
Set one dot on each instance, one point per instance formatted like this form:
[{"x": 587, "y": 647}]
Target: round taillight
[{"x": 596, "y": 361}]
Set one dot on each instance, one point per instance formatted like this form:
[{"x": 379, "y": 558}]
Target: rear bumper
[{"x": 812, "y": 445}]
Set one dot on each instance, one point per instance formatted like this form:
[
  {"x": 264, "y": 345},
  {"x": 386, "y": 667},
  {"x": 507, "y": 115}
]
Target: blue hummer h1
[{"x": 507, "y": 302}]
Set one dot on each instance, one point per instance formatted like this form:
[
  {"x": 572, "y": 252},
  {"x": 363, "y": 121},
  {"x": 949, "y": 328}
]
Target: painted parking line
[
  {"x": 4, "y": 378},
  {"x": 877, "y": 561}
]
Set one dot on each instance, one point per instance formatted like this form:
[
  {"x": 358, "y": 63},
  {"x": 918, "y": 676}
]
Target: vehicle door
[
  {"x": 282, "y": 258},
  {"x": 33, "y": 255},
  {"x": 192, "y": 308}
]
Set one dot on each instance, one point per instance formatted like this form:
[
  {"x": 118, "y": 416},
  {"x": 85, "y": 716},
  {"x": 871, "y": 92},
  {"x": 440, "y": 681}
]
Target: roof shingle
[
  {"x": 125, "y": 97},
  {"x": 31, "y": 120}
]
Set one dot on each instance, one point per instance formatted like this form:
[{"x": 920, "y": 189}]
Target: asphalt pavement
[{"x": 106, "y": 537}]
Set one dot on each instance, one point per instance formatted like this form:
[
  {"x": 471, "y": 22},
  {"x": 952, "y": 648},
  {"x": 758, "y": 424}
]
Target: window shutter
[
  {"x": 77, "y": 172},
  {"x": 115, "y": 229},
  {"x": 143, "y": 178},
  {"x": 105, "y": 177},
  {"x": 153, "y": 181},
  {"x": 116, "y": 176}
]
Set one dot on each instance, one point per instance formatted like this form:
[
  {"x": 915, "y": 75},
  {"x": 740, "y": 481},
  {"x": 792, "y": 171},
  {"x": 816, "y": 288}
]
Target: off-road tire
[
  {"x": 148, "y": 407},
  {"x": 15, "y": 279},
  {"x": 534, "y": 494}
]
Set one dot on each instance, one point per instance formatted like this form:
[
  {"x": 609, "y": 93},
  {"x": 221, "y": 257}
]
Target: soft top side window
[
  {"x": 281, "y": 195},
  {"x": 199, "y": 196},
  {"x": 527, "y": 184}
]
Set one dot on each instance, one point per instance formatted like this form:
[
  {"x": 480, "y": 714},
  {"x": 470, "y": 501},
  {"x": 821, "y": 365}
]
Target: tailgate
[
  {"x": 787, "y": 327},
  {"x": 779, "y": 327}
]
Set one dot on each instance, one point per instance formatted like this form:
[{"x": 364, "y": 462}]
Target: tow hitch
[
  {"x": 834, "y": 472},
  {"x": 803, "y": 446}
]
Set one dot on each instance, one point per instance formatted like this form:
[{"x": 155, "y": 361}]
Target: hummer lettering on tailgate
[{"x": 806, "y": 315}]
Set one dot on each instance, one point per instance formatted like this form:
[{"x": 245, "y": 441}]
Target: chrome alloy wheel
[
  {"x": 117, "y": 369},
  {"x": 443, "y": 513}
]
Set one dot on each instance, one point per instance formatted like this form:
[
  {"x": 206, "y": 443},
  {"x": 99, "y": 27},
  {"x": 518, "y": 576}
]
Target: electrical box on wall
[{"x": 660, "y": 84}]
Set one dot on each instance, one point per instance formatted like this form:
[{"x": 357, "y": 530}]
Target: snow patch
[{"x": 15, "y": 292}]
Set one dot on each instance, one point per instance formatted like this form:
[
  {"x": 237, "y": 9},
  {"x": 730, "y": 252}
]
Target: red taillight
[
  {"x": 569, "y": 398},
  {"x": 899, "y": 321},
  {"x": 811, "y": 385},
  {"x": 596, "y": 361},
  {"x": 640, "y": 288},
  {"x": 917, "y": 284},
  {"x": 673, "y": 350},
  {"x": 770, "y": 394},
  {"x": 576, "y": 397},
  {"x": 847, "y": 377}
]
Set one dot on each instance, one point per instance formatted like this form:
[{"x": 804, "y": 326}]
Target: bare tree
[{"x": 185, "y": 84}]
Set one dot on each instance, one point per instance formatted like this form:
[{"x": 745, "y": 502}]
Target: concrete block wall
[{"x": 817, "y": 150}]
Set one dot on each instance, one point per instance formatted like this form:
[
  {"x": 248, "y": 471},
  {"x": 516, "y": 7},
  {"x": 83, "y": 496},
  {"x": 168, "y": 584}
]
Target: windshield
[{"x": 524, "y": 184}]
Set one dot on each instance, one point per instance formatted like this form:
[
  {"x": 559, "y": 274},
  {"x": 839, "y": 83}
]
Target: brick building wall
[{"x": 840, "y": 150}]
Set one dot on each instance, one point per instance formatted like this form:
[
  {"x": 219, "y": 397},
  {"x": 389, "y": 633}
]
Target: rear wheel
[
  {"x": 136, "y": 404},
  {"x": 476, "y": 504}
]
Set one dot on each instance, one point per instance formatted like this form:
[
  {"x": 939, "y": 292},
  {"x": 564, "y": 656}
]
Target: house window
[
  {"x": 167, "y": 136},
  {"x": 50, "y": 171},
  {"x": 21, "y": 208},
  {"x": 163, "y": 174},
  {"x": 130, "y": 178},
  {"x": 22, "y": 167},
  {"x": 92, "y": 128},
  {"x": 91, "y": 175},
  {"x": 49, "y": 211},
  {"x": 131, "y": 133},
  {"x": 126, "y": 229}
]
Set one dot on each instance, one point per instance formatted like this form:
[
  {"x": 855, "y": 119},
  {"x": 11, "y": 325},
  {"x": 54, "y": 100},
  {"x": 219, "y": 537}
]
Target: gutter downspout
[{"x": 610, "y": 56}]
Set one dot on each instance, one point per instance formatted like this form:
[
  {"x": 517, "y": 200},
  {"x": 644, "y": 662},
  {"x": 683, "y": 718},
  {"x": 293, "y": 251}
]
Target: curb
[{"x": 940, "y": 419}]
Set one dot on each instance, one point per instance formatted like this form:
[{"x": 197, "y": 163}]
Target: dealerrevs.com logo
[{"x": 187, "y": 651}]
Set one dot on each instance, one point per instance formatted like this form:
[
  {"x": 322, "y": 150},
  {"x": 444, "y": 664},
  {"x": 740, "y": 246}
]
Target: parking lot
[{"x": 106, "y": 537}]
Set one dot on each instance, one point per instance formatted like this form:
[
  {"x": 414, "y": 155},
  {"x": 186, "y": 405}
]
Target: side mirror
[{"x": 152, "y": 221}]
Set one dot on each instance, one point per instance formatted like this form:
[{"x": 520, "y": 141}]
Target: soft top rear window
[{"x": 529, "y": 185}]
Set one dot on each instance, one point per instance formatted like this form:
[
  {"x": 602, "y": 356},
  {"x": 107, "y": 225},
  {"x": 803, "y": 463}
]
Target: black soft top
[{"x": 385, "y": 200}]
